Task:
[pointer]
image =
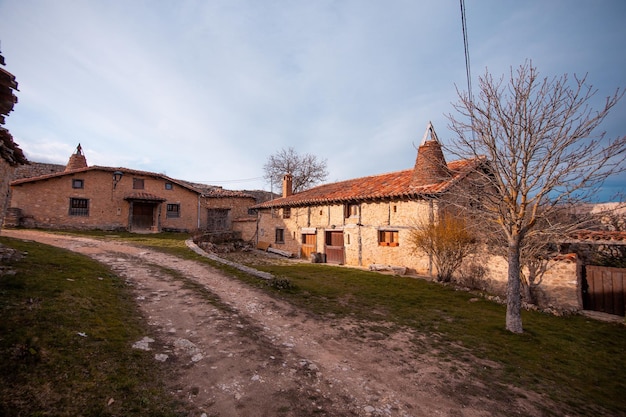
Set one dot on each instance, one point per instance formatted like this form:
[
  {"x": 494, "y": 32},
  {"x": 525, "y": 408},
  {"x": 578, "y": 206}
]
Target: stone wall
[
  {"x": 246, "y": 226},
  {"x": 36, "y": 169},
  {"x": 6, "y": 173},
  {"x": 237, "y": 207},
  {"x": 560, "y": 284},
  {"x": 45, "y": 203},
  {"x": 360, "y": 230}
]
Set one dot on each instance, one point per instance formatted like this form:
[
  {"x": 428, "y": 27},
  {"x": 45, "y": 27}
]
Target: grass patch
[
  {"x": 66, "y": 332},
  {"x": 577, "y": 362}
]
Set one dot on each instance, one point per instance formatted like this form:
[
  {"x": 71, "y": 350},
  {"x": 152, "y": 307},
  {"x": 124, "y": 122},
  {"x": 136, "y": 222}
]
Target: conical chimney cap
[
  {"x": 77, "y": 160},
  {"x": 430, "y": 164}
]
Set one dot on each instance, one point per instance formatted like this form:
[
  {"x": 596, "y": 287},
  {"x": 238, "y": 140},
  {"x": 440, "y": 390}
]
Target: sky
[{"x": 207, "y": 90}]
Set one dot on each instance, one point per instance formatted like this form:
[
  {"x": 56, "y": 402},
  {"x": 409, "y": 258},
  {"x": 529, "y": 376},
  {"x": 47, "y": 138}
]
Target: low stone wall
[{"x": 559, "y": 287}]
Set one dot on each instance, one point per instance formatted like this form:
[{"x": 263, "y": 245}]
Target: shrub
[
  {"x": 472, "y": 276},
  {"x": 280, "y": 283},
  {"x": 448, "y": 241}
]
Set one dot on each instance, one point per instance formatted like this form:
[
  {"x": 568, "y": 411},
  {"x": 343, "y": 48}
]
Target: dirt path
[{"x": 237, "y": 351}]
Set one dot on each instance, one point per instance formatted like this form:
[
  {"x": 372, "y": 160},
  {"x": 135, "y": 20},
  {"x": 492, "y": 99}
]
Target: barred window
[
  {"x": 79, "y": 207},
  {"x": 173, "y": 210}
]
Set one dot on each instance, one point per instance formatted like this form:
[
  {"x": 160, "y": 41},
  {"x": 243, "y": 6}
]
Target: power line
[
  {"x": 230, "y": 181},
  {"x": 468, "y": 72},
  {"x": 467, "y": 57}
]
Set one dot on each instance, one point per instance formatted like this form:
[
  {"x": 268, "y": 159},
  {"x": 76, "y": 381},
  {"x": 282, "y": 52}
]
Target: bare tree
[
  {"x": 306, "y": 169},
  {"x": 539, "y": 138}
]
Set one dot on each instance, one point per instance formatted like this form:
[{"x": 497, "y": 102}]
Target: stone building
[
  {"x": 11, "y": 156},
  {"x": 366, "y": 222},
  {"x": 107, "y": 198}
]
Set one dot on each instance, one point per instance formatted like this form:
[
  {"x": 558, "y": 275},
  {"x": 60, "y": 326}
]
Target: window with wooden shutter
[{"x": 388, "y": 238}]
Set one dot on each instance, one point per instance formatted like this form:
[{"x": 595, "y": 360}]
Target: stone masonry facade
[
  {"x": 367, "y": 222},
  {"x": 46, "y": 203}
]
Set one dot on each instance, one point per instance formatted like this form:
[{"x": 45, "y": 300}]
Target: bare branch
[
  {"x": 306, "y": 169},
  {"x": 539, "y": 136}
]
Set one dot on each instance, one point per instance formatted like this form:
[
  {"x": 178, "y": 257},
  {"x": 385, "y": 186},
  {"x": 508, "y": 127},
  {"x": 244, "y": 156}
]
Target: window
[
  {"x": 169, "y": 186},
  {"x": 79, "y": 207},
  {"x": 280, "y": 235},
  {"x": 388, "y": 238},
  {"x": 78, "y": 183},
  {"x": 173, "y": 210},
  {"x": 138, "y": 183},
  {"x": 351, "y": 210},
  {"x": 286, "y": 212}
]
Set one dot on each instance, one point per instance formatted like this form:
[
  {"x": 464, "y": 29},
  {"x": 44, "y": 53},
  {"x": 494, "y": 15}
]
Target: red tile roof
[
  {"x": 213, "y": 191},
  {"x": 205, "y": 190},
  {"x": 143, "y": 196},
  {"x": 377, "y": 187},
  {"x": 599, "y": 236},
  {"x": 9, "y": 150},
  {"x": 106, "y": 169}
]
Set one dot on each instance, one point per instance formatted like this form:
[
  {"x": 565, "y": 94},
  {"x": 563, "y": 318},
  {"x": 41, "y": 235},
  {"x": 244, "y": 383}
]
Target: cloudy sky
[{"x": 206, "y": 90}]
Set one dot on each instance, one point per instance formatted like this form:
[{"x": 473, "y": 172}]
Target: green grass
[
  {"x": 48, "y": 368},
  {"x": 577, "y": 362}
]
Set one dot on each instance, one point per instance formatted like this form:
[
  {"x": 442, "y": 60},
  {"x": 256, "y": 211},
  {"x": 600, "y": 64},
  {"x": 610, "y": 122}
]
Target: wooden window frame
[
  {"x": 388, "y": 238},
  {"x": 286, "y": 212},
  {"x": 169, "y": 186},
  {"x": 138, "y": 184},
  {"x": 351, "y": 210},
  {"x": 279, "y": 235}
]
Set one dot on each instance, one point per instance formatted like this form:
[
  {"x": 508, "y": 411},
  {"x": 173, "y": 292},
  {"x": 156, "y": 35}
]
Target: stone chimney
[
  {"x": 287, "y": 185},
  {"x": 430, "y": 165},
  {"x": 77, "y": 160}
]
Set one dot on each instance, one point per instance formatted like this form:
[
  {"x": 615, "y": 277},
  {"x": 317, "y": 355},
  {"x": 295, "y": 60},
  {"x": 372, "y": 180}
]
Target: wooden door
[
  {"x": 217, "y": 220},
  {"x": 604, "y": 289},
  {"x": 334, "y": 247},
  {"x": 309, "y": 242},
  {"x": 143, "y": 215}
]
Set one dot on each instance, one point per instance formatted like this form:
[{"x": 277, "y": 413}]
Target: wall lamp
[{"x": 117, "y": 176}]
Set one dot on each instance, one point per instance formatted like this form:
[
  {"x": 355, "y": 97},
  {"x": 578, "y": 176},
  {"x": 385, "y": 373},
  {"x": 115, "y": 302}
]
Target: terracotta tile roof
[
  {"x": 126, "y": 171},
  {"x": 143, "y": 196},
  {"x": 8, "y": 84},
  {"x": 208, "y": 191},
  {"x": 377, "y": 187},
  {"x": 9, "y": 150},
  {"x": 599, "y": 236},
  {"x": 213, "y": 191}
]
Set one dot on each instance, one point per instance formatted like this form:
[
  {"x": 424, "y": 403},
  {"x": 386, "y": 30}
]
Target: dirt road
[{"x": 237, "y": 351}]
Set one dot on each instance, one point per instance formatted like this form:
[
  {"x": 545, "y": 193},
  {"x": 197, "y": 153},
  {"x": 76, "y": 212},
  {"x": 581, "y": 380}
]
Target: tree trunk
[{"x": 513, "y": 294}]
